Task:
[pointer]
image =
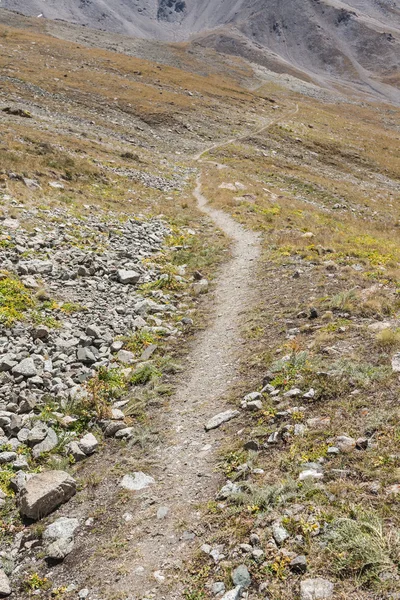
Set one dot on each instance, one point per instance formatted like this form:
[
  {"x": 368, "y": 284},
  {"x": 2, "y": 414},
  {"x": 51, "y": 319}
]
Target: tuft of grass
[
  {"x": 388, "y": 338},
  {"x": 145, "y": 373},
  {"x": 361, "y": 547}
]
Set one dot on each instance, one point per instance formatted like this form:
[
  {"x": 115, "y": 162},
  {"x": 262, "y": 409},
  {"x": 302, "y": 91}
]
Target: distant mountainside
[{"x": 356, "y": 40}]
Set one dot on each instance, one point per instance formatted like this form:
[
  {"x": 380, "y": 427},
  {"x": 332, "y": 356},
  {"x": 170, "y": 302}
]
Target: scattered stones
[
  {"x": 137, "y": 481},
  {"x": 316, "y": 589},
  {"x": 44, "y": 492},
  {"x": 221, "y": 418}
]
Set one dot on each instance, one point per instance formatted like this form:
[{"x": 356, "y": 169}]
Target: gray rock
[
  {"x": 218, "y": 588},
  {"x": 37, "y": 434},
  {"x": 280, "y": 533},
  {"x": 47, "y": 445},
  {"x": 252, "y": 396},
  {"x": 229, "y": 489},
  {"x": 7, "y": 457},
  {"x": 62, "y": 527},
  {"x": 93, "y": 331},
  {"x": 345, "y": 444},
  {"x": 59, "y": 549},
  {"x": 298, "y": 564},
  {"x": 74, "y": 450},
  {"x": 162, "y": 512},
  {"x": 5, "y": 587},
  {"x": 88, "y": 443},
  {"x": 232, "y": 594},
  {"x": 26, "y": 368},
  {"x": 86, "y": 356},
  {"x": 254, "y": 405},
  {"x": 241, "y": 576},
  {"x": 44, "y": 492},
  {"x": 117, "y": 345},
  {"x": 396, "y": 363},
  {"x": 316, "y": 589},
  {"x": 137, "y": 481},
  {"x": 126, "y": 277},
  {"x": 7, "y": 363},
  {"x": 221, "y": 418},
  {"x": 126, "y": 357},
  {"x": 310, "y": 474}
]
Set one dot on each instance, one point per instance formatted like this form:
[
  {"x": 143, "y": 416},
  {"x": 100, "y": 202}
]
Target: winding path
[{"x": 187, "y": 477}]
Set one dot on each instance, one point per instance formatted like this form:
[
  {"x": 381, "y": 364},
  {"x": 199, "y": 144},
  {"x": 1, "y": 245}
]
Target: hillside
[
  {"x": 199, "y": 325},
  {"x": 356, "y": 41}
]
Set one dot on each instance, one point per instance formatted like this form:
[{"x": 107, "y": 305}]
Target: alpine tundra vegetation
[{"x": 199, "y": 300}]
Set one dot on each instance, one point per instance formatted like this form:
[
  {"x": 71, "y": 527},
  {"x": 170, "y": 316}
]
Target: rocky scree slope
[
  {"x": 63, "y": 363},
  {"x": 353, "y": 40}
]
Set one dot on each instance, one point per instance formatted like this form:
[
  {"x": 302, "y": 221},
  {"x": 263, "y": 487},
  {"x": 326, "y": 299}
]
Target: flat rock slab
[
  {"x": 221, "y": 418},
  {"x": 136, "y": 481},
  {"x": 44, "y": 492},
  {"x": 316, "y": 589}
]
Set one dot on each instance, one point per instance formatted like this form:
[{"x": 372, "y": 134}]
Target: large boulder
[{"x": 44, "y": 492}]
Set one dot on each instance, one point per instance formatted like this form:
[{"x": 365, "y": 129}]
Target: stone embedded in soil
[
  {"x": 200, "y": 287},
  {"x": 58, "y": 537},
  {"x": 44, "y": 492},
  {"x": 5, "y": 588},
  {"x": 345, "y": 444},
  {"x": 316, "y": 589},
  {"x": 137, "y": 481},
  {"x": 241, "y": 576},
  {"x": 233, "y": 594},
  {"x": 88, "y": 443},
  {"x": 221, "y": 418},
  {"x": 298, "y": 564},
  {"x": 279, "y": 533},
  {"x": 310, "y": 474}
]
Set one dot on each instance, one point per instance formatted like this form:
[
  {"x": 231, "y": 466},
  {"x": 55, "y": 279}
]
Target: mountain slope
[{"x": 352, "y": 40}]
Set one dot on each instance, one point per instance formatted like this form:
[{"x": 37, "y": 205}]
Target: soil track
[{"x": 188, "y": 463}]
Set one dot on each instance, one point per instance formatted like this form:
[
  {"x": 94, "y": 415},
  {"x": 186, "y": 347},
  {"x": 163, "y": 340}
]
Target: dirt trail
[
  {"x": 189, "y": 462},
  {"x": 187, "y": 477}
]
